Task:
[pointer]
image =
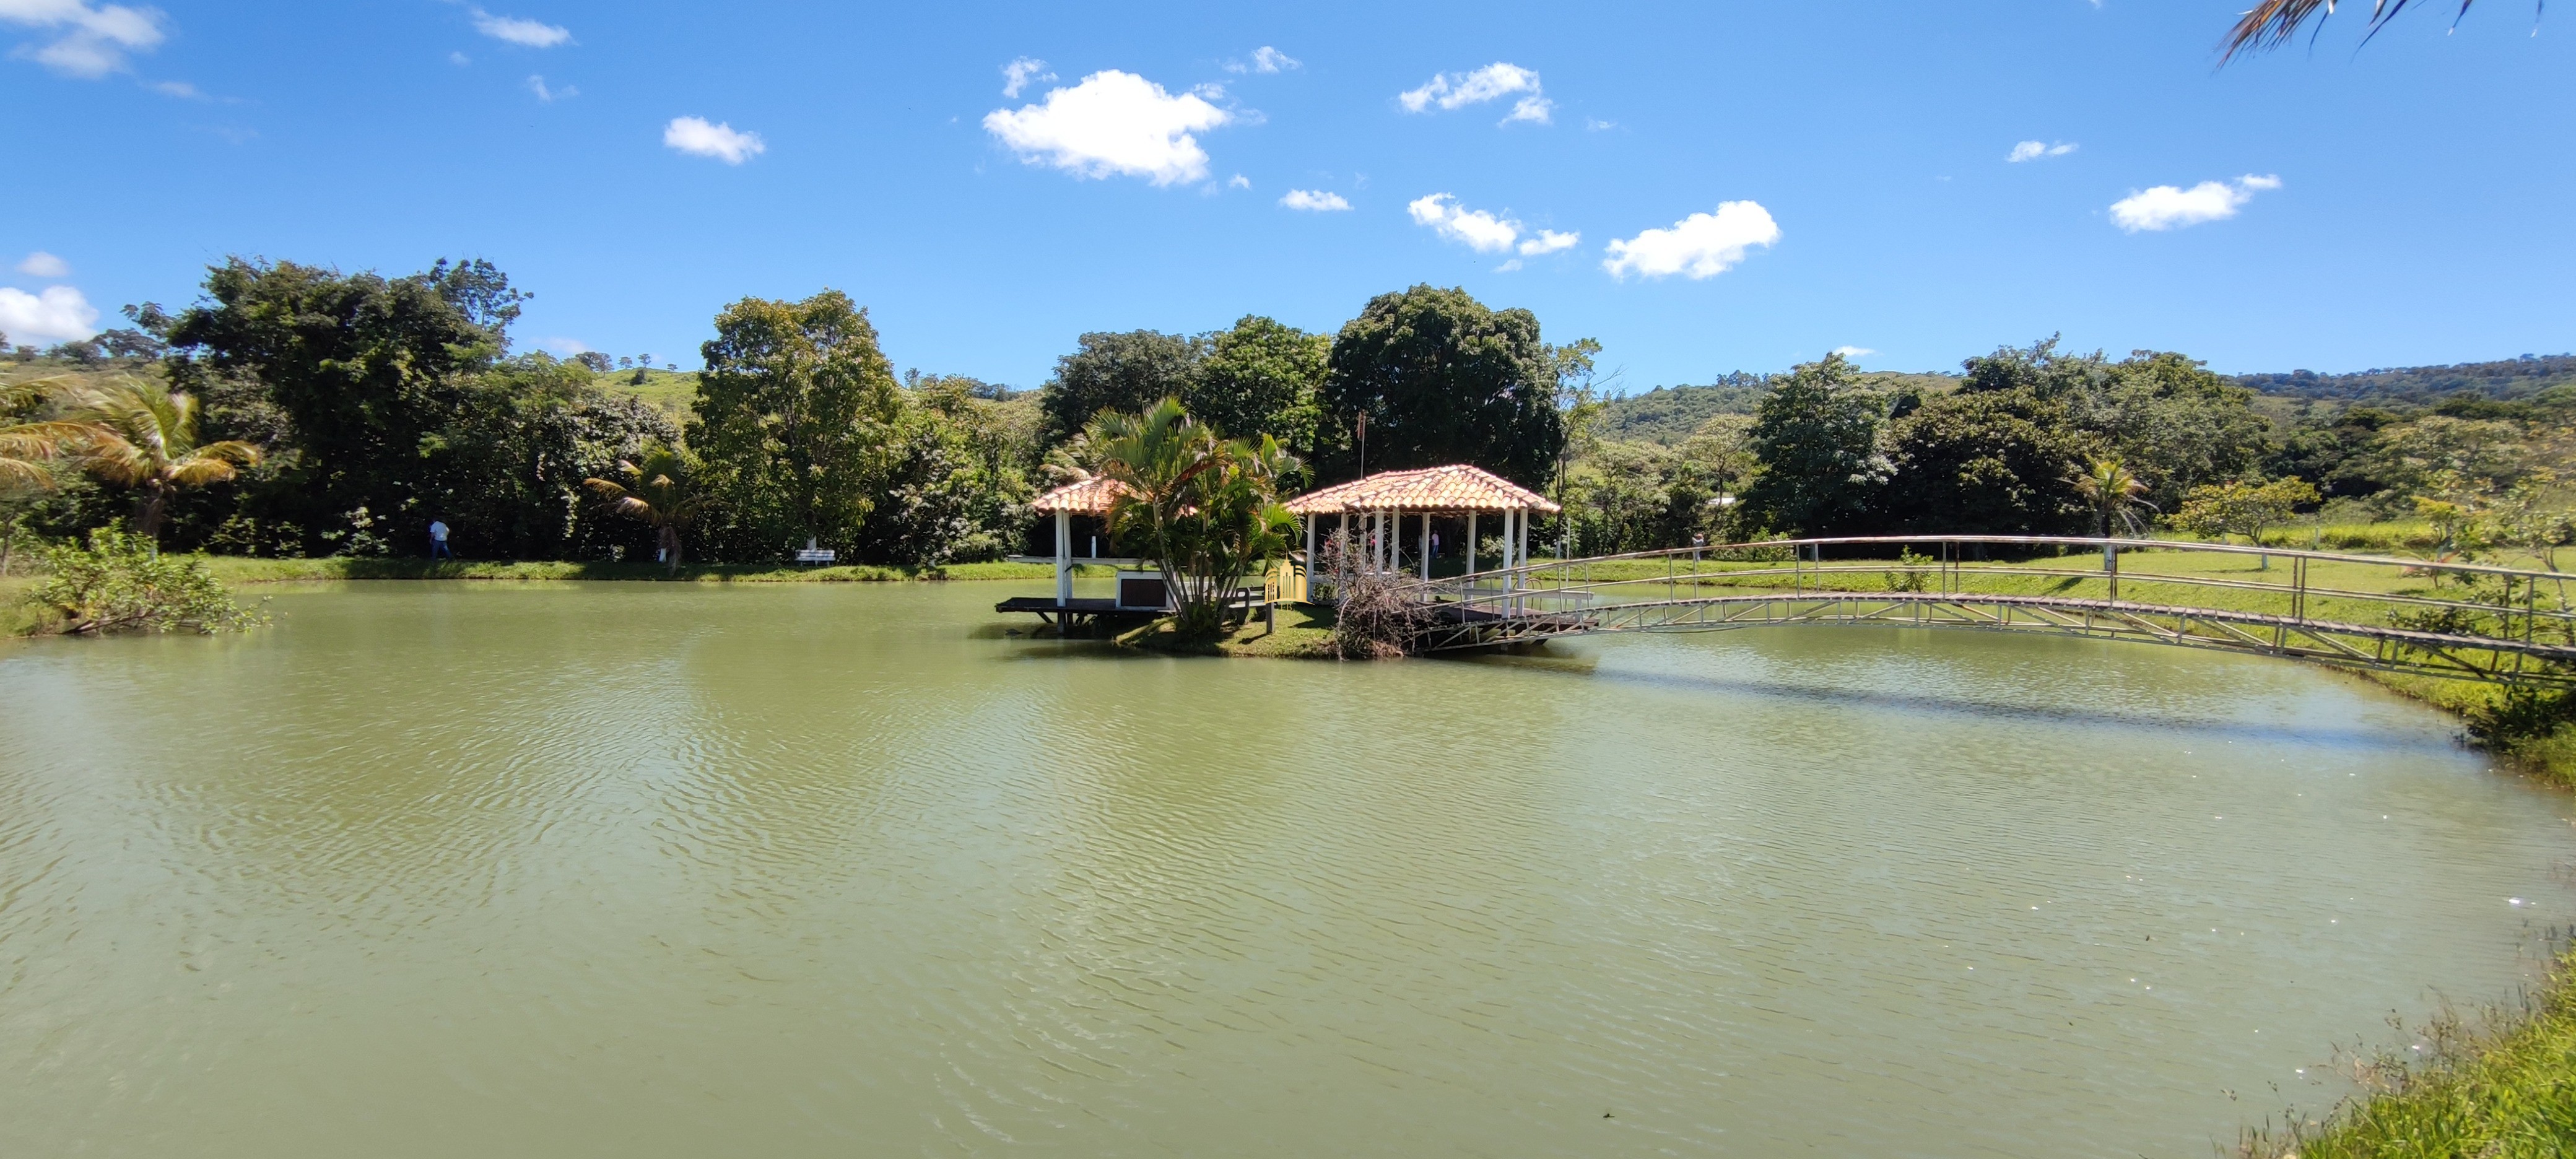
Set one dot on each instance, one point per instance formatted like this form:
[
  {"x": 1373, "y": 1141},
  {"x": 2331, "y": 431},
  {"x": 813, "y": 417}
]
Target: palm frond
[{"x": 2271, "y": 23}]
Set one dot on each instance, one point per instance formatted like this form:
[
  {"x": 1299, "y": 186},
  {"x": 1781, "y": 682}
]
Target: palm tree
[
  {"x": 2271, "y": 23},
  {"x": 665, "y": 488},
  {"x": 2115, "y": 495},
  {"x": 24, "y": 450},
  {"x": 1204, "y": 508},
  {"x": 143, "y": 434}
]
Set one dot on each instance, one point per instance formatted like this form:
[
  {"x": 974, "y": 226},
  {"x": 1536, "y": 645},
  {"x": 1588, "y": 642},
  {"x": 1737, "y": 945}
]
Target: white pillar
[
  {"x": 1306, "y": 583},
  {"x": 1063, "y": 558},
  {"x": 1342, "y": 536},
  {"x": 1426, "y": 547},
  {"x": 1471, "y": 543}
]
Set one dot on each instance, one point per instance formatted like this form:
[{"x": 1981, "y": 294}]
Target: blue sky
[{"x": 2331, "y": 209}]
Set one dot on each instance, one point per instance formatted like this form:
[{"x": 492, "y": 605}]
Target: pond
[{"x": 665, "y": 870}]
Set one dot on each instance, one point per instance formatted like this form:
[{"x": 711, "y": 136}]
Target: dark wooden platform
[{"x": 1075, "y": 615}]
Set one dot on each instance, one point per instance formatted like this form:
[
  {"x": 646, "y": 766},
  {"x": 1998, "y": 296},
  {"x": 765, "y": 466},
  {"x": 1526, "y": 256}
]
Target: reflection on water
[{"x": 441, "y": 869}]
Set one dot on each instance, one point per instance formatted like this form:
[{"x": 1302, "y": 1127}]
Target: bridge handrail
[{"x": 2091, "y": 542}]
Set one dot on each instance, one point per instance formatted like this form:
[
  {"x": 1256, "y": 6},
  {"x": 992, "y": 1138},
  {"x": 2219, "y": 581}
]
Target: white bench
[{"x": 816, "y": 555}]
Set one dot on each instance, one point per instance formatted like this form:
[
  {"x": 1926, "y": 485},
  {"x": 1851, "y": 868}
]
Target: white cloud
[
  {"x": 1265, "y": 59},
  {"x": 537, "y": 85},
  {"x": 1508, "y": 266},
  {"x": 1481, "y": 231},
  {"x": 2034, "y": 150},
  {"x": 94, "y": 41},
  {"x": 59, "y": 314},
  {"x": 1549, "y": 241},
  {"x": 694, "y": 136},
  {"x": 1112, "y": 122},
  {"x": 1314, "y": 201},
  {"x": 1017, "y": 74},
  {"x": 1702, "y": 245},
  {"x": 180, "y": 89},
  {"x": 459, "y": 59},
  {"x": 44, "y": 265},
  {"x": 566, "y": 347},
  {"x": 1238, "y": 181},
  {"x": 1456, "y": 90},
  {"x": 519, "y": 31},
  {"x": 2170, "y": 207},
  {"x": 1854, "y": 351},
  {"x": 1593, "y": 126}
]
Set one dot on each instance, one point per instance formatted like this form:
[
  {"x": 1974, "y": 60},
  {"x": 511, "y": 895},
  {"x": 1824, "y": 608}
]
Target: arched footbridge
[{"x": 2432, "y": 618}]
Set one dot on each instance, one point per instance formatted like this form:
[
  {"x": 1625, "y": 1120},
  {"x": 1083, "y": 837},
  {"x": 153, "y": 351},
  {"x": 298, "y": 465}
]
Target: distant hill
[
  {"x": 1669, "y": 414},
  {"x": 2506, "y": 380}
]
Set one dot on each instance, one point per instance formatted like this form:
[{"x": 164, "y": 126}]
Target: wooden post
[{"x": 1063, "y": 558}]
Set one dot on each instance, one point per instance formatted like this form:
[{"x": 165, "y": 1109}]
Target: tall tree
[
  {"x": 1122, "y": 372},
  {"x": 1261, "y": 378},
  {"x": 663, "y": 489},
  {"x": 142, "y": 434},
  {"x": 1441, "y": 378},
  {"x": 2001, "y": 462},
  {"x": 1204, "y": 508},
  {"x": 793, "y": 412},
  {"x": 1816, "y": 438},
  {"x": 361, "y": 368}
]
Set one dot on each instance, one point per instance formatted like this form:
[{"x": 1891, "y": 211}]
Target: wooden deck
[{"x": 1075, "y": 615}]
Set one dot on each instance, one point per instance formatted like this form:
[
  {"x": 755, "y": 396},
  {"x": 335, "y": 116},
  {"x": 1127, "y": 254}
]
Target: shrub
[{"x": 118, "y": 583}]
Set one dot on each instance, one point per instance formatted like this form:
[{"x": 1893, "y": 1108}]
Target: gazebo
[{"x": 1383, "y": 501}]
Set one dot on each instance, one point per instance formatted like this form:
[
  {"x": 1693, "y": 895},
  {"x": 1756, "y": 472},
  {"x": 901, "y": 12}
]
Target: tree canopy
[
  {"x": 792, "y": 416},
  {"x": 1439, "y": 378}
]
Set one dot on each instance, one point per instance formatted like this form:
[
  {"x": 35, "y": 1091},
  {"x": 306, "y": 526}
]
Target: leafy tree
[
  {"x": 1204, "y": 509},
  {"x": 1987, "y": 463},
  {"x": 144, "y": 435},
  {"x": 2172, "y": 421},
  {"x": 2244, "y": 508},
  {"x": 1123, "y": 372},
  {"x": 360, "y": 370},
  {"x": 665, "y": 488},
  {"x": 1261, "y": 378},
  {"x": 1441, "y": 378},
  {"x": 594, "y": 362},
  {"x": 1816, "y": 438},
  {"x": 793, "y": 413},
  {"x": 957, "y": 486},
  {"x": 2114, "y": 495}
]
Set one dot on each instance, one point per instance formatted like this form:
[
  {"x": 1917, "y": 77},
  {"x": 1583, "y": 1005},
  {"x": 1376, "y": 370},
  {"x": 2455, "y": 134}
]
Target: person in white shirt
[{"x": 438, "y": 540}]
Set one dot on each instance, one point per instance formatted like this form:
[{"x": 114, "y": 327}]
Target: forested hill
[
  {"x": 2513, "y": 378},
  {"x": 1670, "y": 414}
]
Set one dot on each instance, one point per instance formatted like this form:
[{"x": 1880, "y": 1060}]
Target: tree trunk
[
  {"x": 670, "y": 540},
  {"x": 152, "y": 509}
]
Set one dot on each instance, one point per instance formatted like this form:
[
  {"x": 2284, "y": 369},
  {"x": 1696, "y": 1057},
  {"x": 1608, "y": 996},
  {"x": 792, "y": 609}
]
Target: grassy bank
[
  {"x": 238, "y": 570},
  {"x": 2505, "y": 1089},
  {"x": 1302, "y": 632}
]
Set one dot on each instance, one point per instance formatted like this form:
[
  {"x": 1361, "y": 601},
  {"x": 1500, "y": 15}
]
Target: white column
[
  {"x": 1342, "y": 536},
  {"x": 1471, "y": 543},
  {"x": 1063, "y": 558},
  {"x": 1426, "y": 546},
  {"x": 1306, "y": 585}
]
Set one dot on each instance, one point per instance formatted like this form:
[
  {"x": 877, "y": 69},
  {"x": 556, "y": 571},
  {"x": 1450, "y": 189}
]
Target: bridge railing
[{"x": 2523, "y": 610}]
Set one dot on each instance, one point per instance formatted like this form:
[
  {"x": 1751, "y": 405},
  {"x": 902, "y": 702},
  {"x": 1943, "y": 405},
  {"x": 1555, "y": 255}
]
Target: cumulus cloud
[
  {"x": 1112, "y": 122},
  {"x": 1854, "y": 351},
  {"x": 537, "y": 85},
  {"x": 1702, "y": 245},
  {"x": 1019, "y": 73},
  {"x": 180, "y": 89},
  {"x": 2034, "y": 150},
  {"x": 1314, "y": 201},
  {"x": 520, "y": 31},
  {"x": 1480, "y": 231},
  {"x": 694, "y": 136},
  {"x": 94, "y": 41},
  {"x": 1264, "y": 59},
  {"x": 59, "y": 314},
  {"x": 44, "y": 265},
  {"x": 1238, "y": 181},
  {"x": 1549, "y": 241},
  {"x": 1457, "y": 90},
  {"x": 566, "y": 347},
  {"x": 2172, "y": 207},
  {"x": 459, "y": 59}
]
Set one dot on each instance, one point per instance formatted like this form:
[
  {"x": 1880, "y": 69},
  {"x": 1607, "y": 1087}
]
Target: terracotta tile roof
[
  {"x": 1088, "y": 497},
  {"x": 1435, "y": 489}
]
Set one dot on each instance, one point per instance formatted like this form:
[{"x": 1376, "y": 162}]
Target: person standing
[{"x": 438, "y": 540}]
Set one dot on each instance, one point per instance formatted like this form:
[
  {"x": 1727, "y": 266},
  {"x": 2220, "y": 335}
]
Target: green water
[{"x": 644, "y": 870}]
